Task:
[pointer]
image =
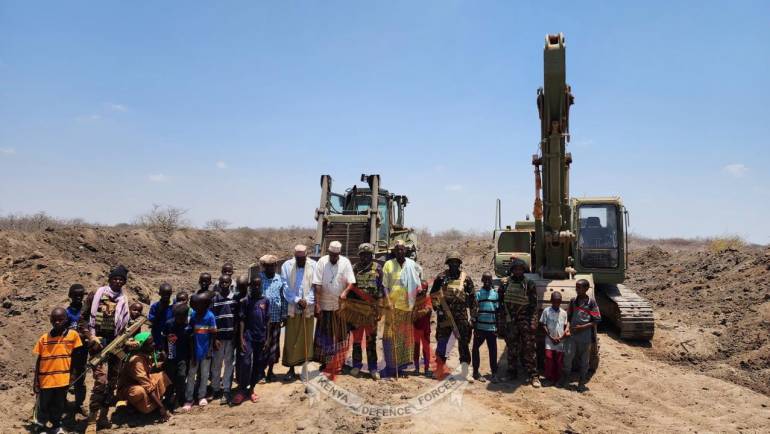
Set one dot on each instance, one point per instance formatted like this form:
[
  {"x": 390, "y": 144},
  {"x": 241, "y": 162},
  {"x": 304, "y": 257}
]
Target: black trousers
[
  {"x": 177, "y": 372},
  {"x": 77, "y": 374},
  {"x": 50, "y": 406},
  {"x": 479, "y": 337}
]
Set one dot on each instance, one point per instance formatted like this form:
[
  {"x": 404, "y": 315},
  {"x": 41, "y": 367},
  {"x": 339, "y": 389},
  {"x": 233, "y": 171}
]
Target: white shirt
[
  {"x": 333, "y": 278},
  {"x": 554, "y": 321}
]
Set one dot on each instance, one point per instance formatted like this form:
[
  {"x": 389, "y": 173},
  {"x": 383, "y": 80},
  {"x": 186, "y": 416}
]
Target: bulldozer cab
[
  {"x": 351, "y": 219},
  {"x": 600, "y": 242},
  {"x": 358, "y": 201}
]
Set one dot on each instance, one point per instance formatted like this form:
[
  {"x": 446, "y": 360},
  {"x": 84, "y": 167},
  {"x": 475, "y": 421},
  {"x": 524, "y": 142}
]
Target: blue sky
[{"x": 233, "y": 109}]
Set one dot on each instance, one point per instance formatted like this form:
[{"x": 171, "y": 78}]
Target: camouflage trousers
[
  {"x": 105, "y": 379},
  {"x": 463, "y": 344},
  {"x": 521, "y": 343}
]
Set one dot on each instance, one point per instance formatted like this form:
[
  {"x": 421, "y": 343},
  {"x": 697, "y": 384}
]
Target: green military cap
[
  {"x": 454, "y": 254},
  {"x": 365, "y": 248}
]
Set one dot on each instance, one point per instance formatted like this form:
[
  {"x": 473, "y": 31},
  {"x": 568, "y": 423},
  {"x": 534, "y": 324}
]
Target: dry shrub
[
  {"x": 722, "y": 244},
  {"x": 216, "y": 224},
  {"x": 166, "y": 219},
  {"x": 39, "y": 221}
]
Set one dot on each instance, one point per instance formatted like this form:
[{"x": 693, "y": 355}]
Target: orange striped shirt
[{"x": 55, "y": 354}]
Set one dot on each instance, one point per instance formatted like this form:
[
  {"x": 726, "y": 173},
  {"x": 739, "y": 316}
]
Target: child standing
[
  {"x": 52, "y": 370},
  {"x": 485, "y": 326},
  {"x": 160, "y": 313},
  {"x": 182, "y": 297},
  {"x": 423, "y": 307},
  {"x": 554, "y": 322},
  {"x": 254, "y": 318},
  {"x": 225, "y": 310},
  {"x": 583, "y": 315},
  {"x": 79, "y": 355},
  {"x": 204, "y": 283},
  {"x": 203, "y": 326},
  {"x": 179, "y": 346}
]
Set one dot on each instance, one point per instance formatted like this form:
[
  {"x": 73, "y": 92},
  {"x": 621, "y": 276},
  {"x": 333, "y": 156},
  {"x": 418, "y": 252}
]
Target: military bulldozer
[
  {"x": 360, "y": 215},
  {"x": 577, "y": 238}
]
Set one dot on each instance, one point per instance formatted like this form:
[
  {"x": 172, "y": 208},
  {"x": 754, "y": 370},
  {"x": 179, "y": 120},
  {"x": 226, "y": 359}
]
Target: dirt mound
[{"x": 712, "y": 309}]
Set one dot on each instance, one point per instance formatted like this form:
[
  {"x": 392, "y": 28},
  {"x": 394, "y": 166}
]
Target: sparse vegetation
[
  {"x": 166, "y": 219},
  {"x": 722, "y": 244},
  {"x": 216, "y": 224},
  {"x": 39, "y": 221}
]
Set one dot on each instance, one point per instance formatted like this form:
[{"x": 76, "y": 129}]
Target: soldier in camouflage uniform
[
  {"x": 367, "y": 289},
  {"x": 452, "y": 289},
  {"x": 518, "y": 322},
  {"x": 111, "y": 320}
]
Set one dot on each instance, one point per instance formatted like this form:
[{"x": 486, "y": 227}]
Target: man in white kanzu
[
  {"x": 332, "y": 275},
  {"x": 298, "y": 344}
]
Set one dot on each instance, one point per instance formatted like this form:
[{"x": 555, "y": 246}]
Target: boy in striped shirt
[
  {"x": 52, "y": 370},
  {"x": 485, "y": 326},
  {"x": 225, "y": 310}
]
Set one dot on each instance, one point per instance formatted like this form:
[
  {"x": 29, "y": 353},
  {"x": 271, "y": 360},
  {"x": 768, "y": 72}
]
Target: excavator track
[{"x": 630, "y": 313}]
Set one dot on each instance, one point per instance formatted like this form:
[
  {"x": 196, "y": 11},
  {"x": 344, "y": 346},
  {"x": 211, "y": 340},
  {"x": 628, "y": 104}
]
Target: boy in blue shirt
[
  {"x": 160, "y": 313},
  {"x": 178, "y": 337},
  {"x": 79, "y": 355},
  {"x": 203, "y": 326},
  {"x": 485, "y": 326},
  {"x": 254, "y": 318}
]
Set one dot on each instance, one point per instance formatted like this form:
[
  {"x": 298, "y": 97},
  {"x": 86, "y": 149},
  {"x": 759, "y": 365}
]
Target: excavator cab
[{"x": 600, "y": 239}]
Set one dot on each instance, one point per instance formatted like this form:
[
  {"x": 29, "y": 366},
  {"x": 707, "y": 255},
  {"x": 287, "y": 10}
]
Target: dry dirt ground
[{"x": 707, "y": 369}]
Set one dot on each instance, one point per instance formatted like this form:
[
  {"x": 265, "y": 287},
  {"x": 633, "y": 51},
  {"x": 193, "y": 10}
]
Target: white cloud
[
  {"x": 736, "y": 170},
  {"x": 116, "y": 107},
  {"x": 221, "y": 165},
  {"x": 7, "y": 151},
  {"x": 453, "y": 187},
  {"x": 157, "y": 177}
]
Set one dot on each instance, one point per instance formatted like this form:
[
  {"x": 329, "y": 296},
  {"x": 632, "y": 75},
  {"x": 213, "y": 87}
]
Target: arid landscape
[{"x": 707, "y": 369}]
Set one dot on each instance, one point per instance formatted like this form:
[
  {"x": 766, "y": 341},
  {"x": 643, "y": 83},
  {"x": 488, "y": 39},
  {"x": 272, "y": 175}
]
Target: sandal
[{"x": 254, "y": 397}]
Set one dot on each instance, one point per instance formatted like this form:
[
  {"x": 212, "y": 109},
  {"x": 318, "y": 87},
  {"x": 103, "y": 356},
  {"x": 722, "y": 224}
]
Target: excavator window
[
  {"x": 514, "y": 242},
  {"x": 598, "y": 235}
]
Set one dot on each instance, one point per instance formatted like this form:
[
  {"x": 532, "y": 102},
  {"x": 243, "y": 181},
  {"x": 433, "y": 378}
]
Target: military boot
[{"x": 103, "y": 421}]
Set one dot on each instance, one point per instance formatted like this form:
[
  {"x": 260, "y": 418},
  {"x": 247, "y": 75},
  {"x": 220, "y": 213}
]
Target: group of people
[{"x": 198, "y": 343}]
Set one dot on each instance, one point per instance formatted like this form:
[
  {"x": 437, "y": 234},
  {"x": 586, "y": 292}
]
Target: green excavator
[{"x": 577, "y": 238}]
